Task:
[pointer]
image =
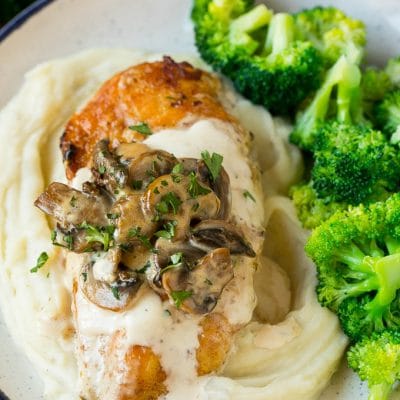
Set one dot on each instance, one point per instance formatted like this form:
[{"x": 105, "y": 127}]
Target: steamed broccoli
[
  {"x": 387, "y": 115},
  {"x": 341, "y": 104},
  {"x": 357, "y": 253},
  {"x": 311, "y": 210},
  {"x": 375, "y": 83},
  {"x": 353, "y": 164},
  {"x": 393, "y": 71},
  {"x": 258, "y": 51},
  {"x": 377, "y": 360},
  {"x": 332, "y": 32}
]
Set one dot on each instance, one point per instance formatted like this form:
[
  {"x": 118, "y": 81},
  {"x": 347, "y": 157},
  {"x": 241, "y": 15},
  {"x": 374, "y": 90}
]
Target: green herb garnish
[
  {"x": 103, "y": 234},
  {"x": 142, "y": 128},
  {"x": 137, "y": 185},
  {"x": 214, "y": 163},
  {"x": 168, "y": 232},
  {"x": 169, "y": 203},
  {"x": 179, "y": 296},
  {"x": 178, "y": 169},
  {"x": 194, "y": 188},
  {"x": 115, "y": 292},
  {"x": 72, "y": 202},
  {"x": 101, "y": 169},
  {"x": 42, "y": 259},
  {"x": 144, "y": 268},
  {"x": 136, "y": 233},
  {"x": 248, "y": 195}
]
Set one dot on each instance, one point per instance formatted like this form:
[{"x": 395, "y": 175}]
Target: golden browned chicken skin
[{"x": 160, "y": 94}]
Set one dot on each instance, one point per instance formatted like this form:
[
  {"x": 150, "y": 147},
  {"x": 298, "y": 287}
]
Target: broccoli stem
[
  {"x": 347, "y": 77},
  {"x": 280, "y": 34},
  {"x": 388, "y": 273},
  {"x": 380, "y": 391},
  {"x": 251, "y": 21},
  {"x": 353, "y": 257},
  {"x": 392, "y": 245}
]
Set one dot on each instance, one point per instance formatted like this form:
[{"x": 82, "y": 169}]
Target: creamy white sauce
[
  {"x": 257, "y": 370},
  {"x": 146, "y": 323}
]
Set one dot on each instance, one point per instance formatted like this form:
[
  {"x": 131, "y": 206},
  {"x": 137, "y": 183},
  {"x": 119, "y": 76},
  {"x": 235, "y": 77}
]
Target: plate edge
[{"x": 22, "y": 17}]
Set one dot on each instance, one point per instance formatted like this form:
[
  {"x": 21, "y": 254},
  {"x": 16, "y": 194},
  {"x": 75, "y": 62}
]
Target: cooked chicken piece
[
  {"x": 154, "y": 95},
  {"x": 144, "y": 99}
]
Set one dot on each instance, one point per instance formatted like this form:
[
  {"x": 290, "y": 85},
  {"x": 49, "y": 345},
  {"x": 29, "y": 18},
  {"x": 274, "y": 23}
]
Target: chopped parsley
[
  {"x": 194, "y": 188},
  {"x": 179, "y": 296},
  {"x": 137, "y": 185},
  {"x": 208, "y": 282},
  {"x": 84, "y": 276},
  {"x": 72, "y": 202},
  {"x": 103, "y": 234},
  {"x": 214, "y": 163},
  {"x": 42, "y": 259},
  {"x": 164, "y": 183},
  {"x": 69, "y": 239},
  {"x": 101, "y": 169},
  {"x": 115, "y": 292},
  {"x": 248, "y": 195},
  {"x": 113, "y": 216},
  {"x": 178, "y": 169},
  {"x": 168, "y": 232},
  {"x": 136, "y": 233},
  {"x": 169, "y": 203},
  {"x": 142, "y": 128},
  {"x": 176, "y": 262},
  {"x": 156, "y": 191},
  {"x": 144, "y": 268}
]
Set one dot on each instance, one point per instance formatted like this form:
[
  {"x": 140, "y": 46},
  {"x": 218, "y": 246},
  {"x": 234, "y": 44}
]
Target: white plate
[{"x": 67, "y": 26}]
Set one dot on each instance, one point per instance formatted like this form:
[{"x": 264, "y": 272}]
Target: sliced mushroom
[
  {"x": 128, "y": 151},
  {"x": 221, "y": 186},
  {"x": 115, "y": 296},
  {"x": 197, "y": 289},
  {"x": 168, "y": 199},
  {"x": 211, "y": 234},
  {"x": 70, "y": 207},
  {"x": 107, "y": 169},
  {"x": 161, "y": 258},
  {"x": 130, "y": 218},
  {"x": 148, "y": 166}
]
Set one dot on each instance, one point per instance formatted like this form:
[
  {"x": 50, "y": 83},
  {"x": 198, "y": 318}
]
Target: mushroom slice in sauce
[
  {"x": 169, "y": 199},
  {"x": 221, "y": 186},
  {"x": 107, "y": 285},
  {"x": 132, "y": 224},
  {"x": 161, "y": 258},
  {"x": 211, "y": 234},
  {"x": 107, "y": 168},
  {"x": 148, "y": 166},
  {"x": 70, "y": 207},
  {"x": 196, "y": 289}
]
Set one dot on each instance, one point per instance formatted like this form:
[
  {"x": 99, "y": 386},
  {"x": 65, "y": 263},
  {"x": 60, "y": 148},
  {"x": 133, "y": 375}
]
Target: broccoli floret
[
  {"x": 375, "y": 83},
  {"x": 353, "y": 164},
  {"x": 218, "y": 43},
  {"x": 387, "y": 115},
  {"x": 258, "y": 51},
  {"x": 357, "y": 253},
  {"x": 332, "y": 32},
  {"x": 311, "y": 210},
  {"x": 376, "y": 359},
  {"x": 341, "y": 104},
  {"x": 393, "y": 71}
]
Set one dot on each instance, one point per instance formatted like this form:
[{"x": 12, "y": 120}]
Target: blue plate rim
[{"x": 22, "y": 17}]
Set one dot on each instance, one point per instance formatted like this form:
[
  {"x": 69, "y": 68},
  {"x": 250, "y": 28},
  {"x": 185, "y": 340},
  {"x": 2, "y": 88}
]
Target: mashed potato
[{"x": 291, "y": 348}]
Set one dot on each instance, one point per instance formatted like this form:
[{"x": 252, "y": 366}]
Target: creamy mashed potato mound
[{"x": 289, "y": 350}]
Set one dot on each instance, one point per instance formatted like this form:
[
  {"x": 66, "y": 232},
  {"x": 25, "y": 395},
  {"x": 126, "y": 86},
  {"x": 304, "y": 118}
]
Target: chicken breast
[
  {"x": 161, "y": 94},
  {"x": 143, "y": 332}
]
